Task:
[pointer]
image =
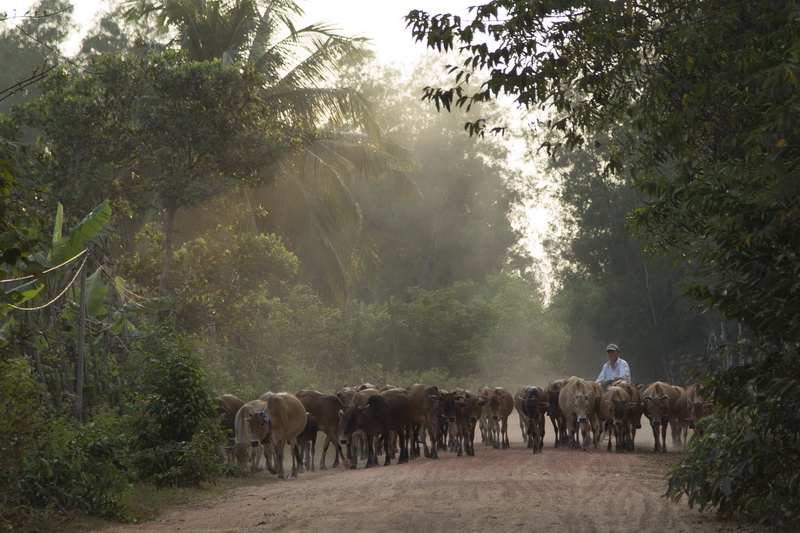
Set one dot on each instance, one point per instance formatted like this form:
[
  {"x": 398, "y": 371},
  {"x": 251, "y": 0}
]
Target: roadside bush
[
  {"x": 53, "y": 467},
  {"x": 21, "y": 399},
  {"x": 177, "y": 435},
  {"x": 74, "y": 469},
  {"x": 744, "y": 460}
]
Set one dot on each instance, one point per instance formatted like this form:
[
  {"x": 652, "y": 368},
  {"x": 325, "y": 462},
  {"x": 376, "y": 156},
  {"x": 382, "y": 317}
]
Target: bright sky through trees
[{"x": 381, "y": 22}]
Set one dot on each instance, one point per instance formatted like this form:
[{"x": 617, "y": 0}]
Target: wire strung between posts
[
  {"x": 46, "y": 271},
  {"x": 72, "y": 281}
]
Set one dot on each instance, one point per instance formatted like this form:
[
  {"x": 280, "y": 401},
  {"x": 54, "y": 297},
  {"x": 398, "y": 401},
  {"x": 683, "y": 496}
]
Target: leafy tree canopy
[{"x": 699, "y": 101}]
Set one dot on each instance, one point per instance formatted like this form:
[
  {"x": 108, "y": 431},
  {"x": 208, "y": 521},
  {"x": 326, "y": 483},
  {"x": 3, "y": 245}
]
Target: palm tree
[{"x": 309, "y": 203}]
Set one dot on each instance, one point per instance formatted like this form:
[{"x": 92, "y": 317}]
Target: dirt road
[{"x": 497, "y": 490}]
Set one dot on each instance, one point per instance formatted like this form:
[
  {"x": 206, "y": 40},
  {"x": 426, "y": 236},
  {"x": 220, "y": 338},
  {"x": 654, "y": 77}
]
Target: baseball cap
[{"x": 612, "y": 347}]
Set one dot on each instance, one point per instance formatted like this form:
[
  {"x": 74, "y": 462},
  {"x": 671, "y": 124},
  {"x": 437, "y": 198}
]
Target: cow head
[
  {"x": 447, "y": 406},
  {"x": 493, "y": 407},
  {"x": 619, "y": 409},
  {"x": 350, "y": 421},
  {"x": 656, "y": 409},
  {"x": 581, "y": 407}
]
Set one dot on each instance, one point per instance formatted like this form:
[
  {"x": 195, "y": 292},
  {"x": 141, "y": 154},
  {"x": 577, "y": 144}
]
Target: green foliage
[
  {"x": 74, "y": 468},
  {"x": 31, "y": 48},
  {"x": 49, "y": 464},
  {"x": 21, "y": 232},
  {"x": 122, "y": 130},
  {"x": 176, "y": 432},
  {"x": 444, "y": 328},
  {"x": 698, "y": 105},
  {"x": 21, "y": 400},
  {"x": 743, "y": 459}
]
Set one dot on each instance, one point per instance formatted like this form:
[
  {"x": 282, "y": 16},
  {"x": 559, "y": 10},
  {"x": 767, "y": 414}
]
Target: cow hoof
[{"x": 323, "y": 467}]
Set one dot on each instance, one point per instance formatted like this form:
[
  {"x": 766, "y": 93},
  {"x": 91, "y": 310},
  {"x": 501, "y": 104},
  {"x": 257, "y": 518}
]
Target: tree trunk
[
  {"x": 169, "y": 234},
  {"x": 81, "y": 345}
]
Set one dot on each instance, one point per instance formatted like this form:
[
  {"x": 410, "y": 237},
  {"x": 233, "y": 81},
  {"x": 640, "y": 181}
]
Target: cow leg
[
  {"x": 297, "y": 454},
  {"x": 656, "y": 437},
  {"x": 584, "y": 430},
  {"x": 313, "y": 452},
  {"x": 434, "y": 436},
  {"x": 372, "y": 457},
  {"x": 325, "y": 445},
  {"x": 387, "y": 441},
  {"x": 336, "y": 446},
  {"x": 294, "y": 462},
  {"x": 415, "y": 440},
  {"x": 664, "y": 437}
]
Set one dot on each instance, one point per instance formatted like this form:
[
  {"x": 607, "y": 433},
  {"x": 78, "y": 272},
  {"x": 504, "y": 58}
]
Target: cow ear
[
  {"x": 434, "y": 397},
  {"x": 631, "y": 405},
  {"x": 665, "y": 398},
  {"x": 483, "y": 400},
  {"x": 610, "y": 404}
]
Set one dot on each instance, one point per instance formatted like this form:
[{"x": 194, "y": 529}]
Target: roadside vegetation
[{"x": 207, "y": 200}]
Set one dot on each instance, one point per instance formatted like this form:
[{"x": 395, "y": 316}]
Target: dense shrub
[
  {"x": 745, "y": 459},
  {"x": 51, "y": 464},
  {"x": 177, "y": 435}
]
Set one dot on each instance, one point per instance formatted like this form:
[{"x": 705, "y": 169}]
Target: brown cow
[
  {"x": 483, "y": 420},
  {"x": 499, "y": 407},
  {"x": 345, "y": 394},
  {"x": 284, "y": 418},
  {"x": 615, "y": 405},
  {"x": 523, "y": 422},
  {"x": 699, "y": 406},
  {"x": 249, "y": 434},
  {"x": 446, "y": 418},
  {"x": 227, "y": 407},
  {"x": 383, "y": 413},
  {"x": 469, "y": 409},
  {"x": 555, "y": 413},
  {"x": 307, "y": 444},
  {"x": 425, "y": 400},
  {"x": 325, "y": 409},
  {"x": 594, "y": 420},
  {"x": 679, "y": 421},
  {"x": 534, "y": 406},
  {"x": 658, "y": 400},
  {"x": 357, "y": 442},
  {"x": 634, "y": 414},
  {"x": 577, "y": 401}
]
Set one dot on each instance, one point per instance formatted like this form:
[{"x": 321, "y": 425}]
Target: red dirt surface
[{"x": 497, "y": 490}]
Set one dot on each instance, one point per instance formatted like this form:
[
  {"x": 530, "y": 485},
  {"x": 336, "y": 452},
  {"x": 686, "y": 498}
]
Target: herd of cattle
[{"x": 363, "y": 418}]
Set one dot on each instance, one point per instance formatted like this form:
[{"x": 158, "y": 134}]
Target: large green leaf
[
  {"x": 24, "y": 292},
  {"x": 96, "y": 290},
  {"x": 57, "y": 227},
  {"x": 66, "y": 247}
]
